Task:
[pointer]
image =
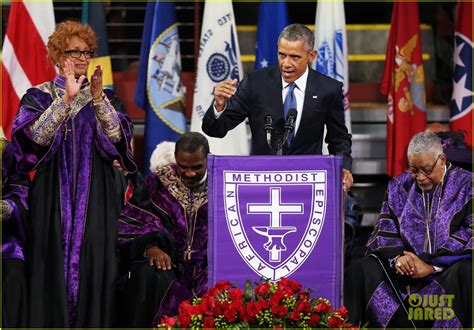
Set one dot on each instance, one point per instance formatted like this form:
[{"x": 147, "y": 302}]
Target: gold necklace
[{"x": 428, "y": 210}]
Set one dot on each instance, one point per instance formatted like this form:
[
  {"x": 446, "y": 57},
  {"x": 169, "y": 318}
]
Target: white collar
[{"x": 300, "y": 82}]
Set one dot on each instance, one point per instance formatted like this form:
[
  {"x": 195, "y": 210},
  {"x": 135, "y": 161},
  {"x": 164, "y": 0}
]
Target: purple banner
[{"x": 277, "y": 217}]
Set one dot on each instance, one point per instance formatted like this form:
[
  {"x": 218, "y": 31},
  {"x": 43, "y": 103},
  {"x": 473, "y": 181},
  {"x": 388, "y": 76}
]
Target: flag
[
  {"x": 93, "y": 14},
  {"x": 461, "y": 101},
  {"x": 160, "y": 91},
  {"x": 331, "y": 44},
  {"x": 219, "y": 59},
  {"x": 403, "y": 82},
  {"x": 272, "y": 19},
  {"x": 24, "y": 55}
]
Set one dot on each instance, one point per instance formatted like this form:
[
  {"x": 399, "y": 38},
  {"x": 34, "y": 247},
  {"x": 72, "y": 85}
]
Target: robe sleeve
[
  {"x": 120, "y": 150},
  {"x": 385, "y": 240},
  {"x": 140, "y": 229}
]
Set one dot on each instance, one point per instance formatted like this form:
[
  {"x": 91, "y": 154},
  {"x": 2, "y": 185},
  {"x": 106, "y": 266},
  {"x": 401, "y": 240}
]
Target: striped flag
[
  {"x": 331, "y": 44},
  {"x": 24, "y": 62},
  {"x": 93, "y": 14},
  {"x": 160, "y": 91},
  {"x": 461, "y": 101},
  {"x": 219, "y": 59},
  {"x": 272, "y": 19},
  {"x": 403, "y": 82}
]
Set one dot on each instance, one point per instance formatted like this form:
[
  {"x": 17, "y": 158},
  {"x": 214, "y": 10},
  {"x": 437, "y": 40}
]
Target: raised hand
[
  {"x": 96, "y": 82},
  {"x": 223, "y": 92},
  {"x": 72, "y": 85}
]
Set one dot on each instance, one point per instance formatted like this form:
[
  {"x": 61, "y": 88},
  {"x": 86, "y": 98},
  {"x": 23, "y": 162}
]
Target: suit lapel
[
  {"x": 274, "y": 95},
  {"x": 310, "y": 103}
]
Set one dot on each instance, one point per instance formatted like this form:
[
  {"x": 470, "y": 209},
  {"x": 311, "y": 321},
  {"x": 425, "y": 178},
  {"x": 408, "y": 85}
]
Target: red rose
[
  {"x": 286, "y": 291},
  {"x": 207, "y": 305},
  {"x": 321, "y": 307},
  {"x": 184, "y": 321},
  {"x": 220, "y": 307},
  {"x": 209, "y": 322},
  {"x": 184, "y": 308},
  {"x": 287, "y": 283},
  {"x": 253, "y": 309},
  {"x": 276, "y": 298},
  {"x": 169, "y": 321},
  {"x": 303, "y": 295},
  {"x": 223, "y": 285},
  {"x": 230, "y": 314},
  {"x": 303, "y": 307},
  {"x": 264, "y": 304},
  {"x": 314, "y": 320},
  {"x": 236, "y": 294},
  {"x": 342, "y": 311},
  {"x": 294, "y": 316},
  {"x": 279, "y": 311},
  {"x": 335, "y": 322},
  {"x": 261, "y": 289},
  {"x": 195, "y": 310}
]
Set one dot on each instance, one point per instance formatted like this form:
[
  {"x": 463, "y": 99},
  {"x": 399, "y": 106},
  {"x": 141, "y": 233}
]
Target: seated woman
[{"x": 418, "y": 271}]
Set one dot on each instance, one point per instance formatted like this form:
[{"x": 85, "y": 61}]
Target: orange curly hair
[{"x": 58, "y": 41}]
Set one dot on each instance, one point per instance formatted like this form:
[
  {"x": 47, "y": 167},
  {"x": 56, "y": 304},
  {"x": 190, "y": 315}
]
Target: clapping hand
[
  {"x": 96, "y": 82},
  {"x": 72, "y": 85}
]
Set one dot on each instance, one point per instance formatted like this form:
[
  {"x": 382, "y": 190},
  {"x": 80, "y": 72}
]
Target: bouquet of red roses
[{"x": 270, "y": 305}]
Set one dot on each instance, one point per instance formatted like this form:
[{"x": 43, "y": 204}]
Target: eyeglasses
[
  {"x": 74, "y": 53},
  {"x": 425, "y": 170}
]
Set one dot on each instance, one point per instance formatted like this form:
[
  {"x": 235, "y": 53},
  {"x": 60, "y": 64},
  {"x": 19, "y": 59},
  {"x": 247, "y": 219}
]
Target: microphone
[
  {"x": 289, "y": 124},
  {"x": 269, "y": 129}
]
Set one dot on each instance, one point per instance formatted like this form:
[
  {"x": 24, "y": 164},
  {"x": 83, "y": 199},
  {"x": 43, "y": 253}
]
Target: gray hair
[
  {"x": 425, "y": 143},
  {"x": 296, "y": 32}
]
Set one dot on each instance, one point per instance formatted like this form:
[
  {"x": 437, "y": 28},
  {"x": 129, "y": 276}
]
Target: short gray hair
[
  {"x": 425, "y": 143},
  {"x": 296, "y": 32}
]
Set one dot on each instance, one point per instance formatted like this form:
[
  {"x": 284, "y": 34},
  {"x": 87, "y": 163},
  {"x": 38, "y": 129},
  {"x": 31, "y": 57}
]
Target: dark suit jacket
[{"x": 259, "y": 94}]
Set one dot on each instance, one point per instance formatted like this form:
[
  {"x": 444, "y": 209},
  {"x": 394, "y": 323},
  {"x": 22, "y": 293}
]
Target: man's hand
[
  {"x": 223, "y": 92},
  {"x": 159, "y": 259},
  {"x": 409, "y": 264},
  {"x": 347, "y": 180}
]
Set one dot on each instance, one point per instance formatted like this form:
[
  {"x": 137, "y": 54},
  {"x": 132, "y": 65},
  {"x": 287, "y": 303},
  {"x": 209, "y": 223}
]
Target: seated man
[
  {"x": 166, "y": 236},
  {"x": 418, "y": 271},
  {"x": 14, "y": 212}
]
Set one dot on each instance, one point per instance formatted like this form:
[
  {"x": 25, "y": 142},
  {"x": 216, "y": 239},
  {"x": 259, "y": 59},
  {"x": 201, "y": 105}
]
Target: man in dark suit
[{"x": 318, "y": 100}]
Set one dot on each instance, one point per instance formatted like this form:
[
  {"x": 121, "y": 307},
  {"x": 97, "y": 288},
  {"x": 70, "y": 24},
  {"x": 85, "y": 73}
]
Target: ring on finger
[{"x": 398, "y": 264}]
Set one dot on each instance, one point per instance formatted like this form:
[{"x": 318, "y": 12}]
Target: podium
[{"x": 277, "y": 216}]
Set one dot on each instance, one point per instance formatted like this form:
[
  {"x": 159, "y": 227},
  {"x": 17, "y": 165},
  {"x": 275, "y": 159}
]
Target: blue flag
[
  {"x": 272, "y": 19},
  {"x": 159, "y": 88}
]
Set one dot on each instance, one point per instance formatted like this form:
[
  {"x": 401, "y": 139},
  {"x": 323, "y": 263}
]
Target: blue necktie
[{"x": 290, "y": 103}]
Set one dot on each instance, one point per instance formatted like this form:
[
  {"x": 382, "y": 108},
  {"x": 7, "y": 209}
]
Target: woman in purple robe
[
  {"x": 14, "y": 211},
  {"x": 166, "y": 237},
  {"x": 69, "y": 131},
  {"x": 419, "y": 268}
]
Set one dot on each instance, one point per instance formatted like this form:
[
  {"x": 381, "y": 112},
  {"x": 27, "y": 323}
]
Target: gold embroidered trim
[
  {"x": 45, "y": 127},
  {"x": 191, "y": 201},
  {"x": 6, "y": 210},
  {"x": 108, "y": 119}
]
